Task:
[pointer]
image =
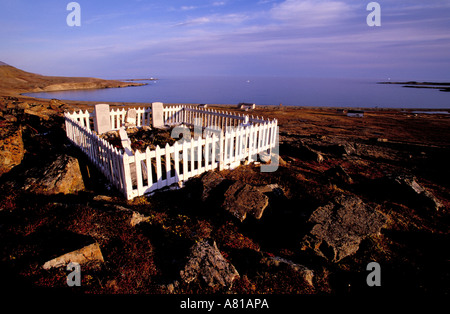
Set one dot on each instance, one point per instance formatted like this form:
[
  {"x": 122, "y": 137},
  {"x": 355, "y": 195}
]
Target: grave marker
[
  {"x": 102, "y": 118},
  {"x": 126, "y": 143},
  {"x": 131, "y": 117},
  {"x": 157, "y": 115}
]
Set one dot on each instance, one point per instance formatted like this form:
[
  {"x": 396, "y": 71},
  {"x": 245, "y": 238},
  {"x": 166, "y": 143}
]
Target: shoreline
[
  {"x": 124, "y": 103},
  {"x": 85, "y": 104},
  {"x": 234, "y": 106},
  {"x": 15, "y": 83},
  {"x": 140, "y": 104}
]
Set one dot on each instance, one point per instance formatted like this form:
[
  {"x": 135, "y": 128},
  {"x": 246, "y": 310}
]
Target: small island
[
  {"x": 143, "y": 79},
  {"x": 442, "y": 86}
]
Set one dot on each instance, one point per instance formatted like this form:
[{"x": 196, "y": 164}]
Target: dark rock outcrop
[
  {"x": 410, "y": 185},
  {"x": 90, "y": 253},
  {"x": 338, "y": 174},
  {"x": 339, "y": 227},
  {"x": 242, "y": 199},
  {"x": 206, "y": 264},
  {"x": 276, "y": 261},
  {"x": 11, "y": 148},
  {"x": 209, "y": 182},
  {"x": 62, "y": 176},
  {"x": 301, "y": 150}
]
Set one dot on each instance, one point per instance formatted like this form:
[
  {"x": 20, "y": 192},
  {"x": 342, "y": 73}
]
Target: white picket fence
[{"x": 139, "y": 173}]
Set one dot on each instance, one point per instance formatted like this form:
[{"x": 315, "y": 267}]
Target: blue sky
[{"x": 303, "y": 38}]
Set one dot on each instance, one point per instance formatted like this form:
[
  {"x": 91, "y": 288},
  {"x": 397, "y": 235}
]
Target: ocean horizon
[{"x": 288, "y": 91}]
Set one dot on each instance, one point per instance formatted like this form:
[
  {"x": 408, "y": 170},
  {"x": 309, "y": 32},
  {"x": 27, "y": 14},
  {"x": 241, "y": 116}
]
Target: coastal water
[{"x": 266, "y": 91}]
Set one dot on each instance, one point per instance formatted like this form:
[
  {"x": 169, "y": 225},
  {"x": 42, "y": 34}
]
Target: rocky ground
[{"x": 348, "y": 191}]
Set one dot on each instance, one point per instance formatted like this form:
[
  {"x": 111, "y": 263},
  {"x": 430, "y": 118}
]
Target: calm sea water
[{"x": 266, "y": 91}]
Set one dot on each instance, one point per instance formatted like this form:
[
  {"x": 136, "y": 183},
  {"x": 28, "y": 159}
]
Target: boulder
[
  {"x": 137, "y": 218},
  {"x": 340, "y": 226},
  {"x": 276, "y": 261},
  {"x": 37, "y": 111},
  {"x": 347, "y": 148},
  {"x": 242, "y": 199},
  {"x": 338, "y": 174},
  {"x": 314, "y": 155},
  {"x": 282, "y": 162},
  {"x": 271, "y": 188},
  {"x": 55, "y": 104},
  {"x": 302, "y": 151},
  {"x": 11, "y": 148},
  {"x": 207, "y": 264},
  {"x": 62, "y": 176},
  {"x": 339, "y": 149},
  {"x": 89, "y": 253},
  {"x": 209, "y": 182},
  {"x": 265, "y": 157},
  {"x": 23, "y": 106},
  {"x": 10, "y": 118},
  {"x": 410, "y": 184}
]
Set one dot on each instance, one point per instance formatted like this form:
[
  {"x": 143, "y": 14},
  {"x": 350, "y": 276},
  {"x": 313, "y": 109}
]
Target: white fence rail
[{"x": 143, "y": 172}]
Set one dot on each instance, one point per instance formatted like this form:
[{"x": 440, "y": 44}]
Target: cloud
[
  {"x": 231, "y": 19},
  {"x": 423, "y": 5},
  {"x": 193, "y": 7},
  {"x": 308, "y": 13},
  {"x": 282, "y": 36},
  {"x": 187, "y": 8},
  {"x": 195, "y": 21},
  {"x": 103, "y": 18},
  {"x": 271, "y": 31}
]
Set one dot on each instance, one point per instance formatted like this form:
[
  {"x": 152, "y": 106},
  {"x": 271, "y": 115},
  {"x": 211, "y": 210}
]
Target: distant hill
[{"x": 14, "y": 81}]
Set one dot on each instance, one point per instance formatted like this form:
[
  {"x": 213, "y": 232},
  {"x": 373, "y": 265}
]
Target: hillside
[{"x": 14, "y": 81}]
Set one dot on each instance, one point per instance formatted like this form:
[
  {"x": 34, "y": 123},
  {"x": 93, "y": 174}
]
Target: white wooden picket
[{"x": 139, "y": 173}]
